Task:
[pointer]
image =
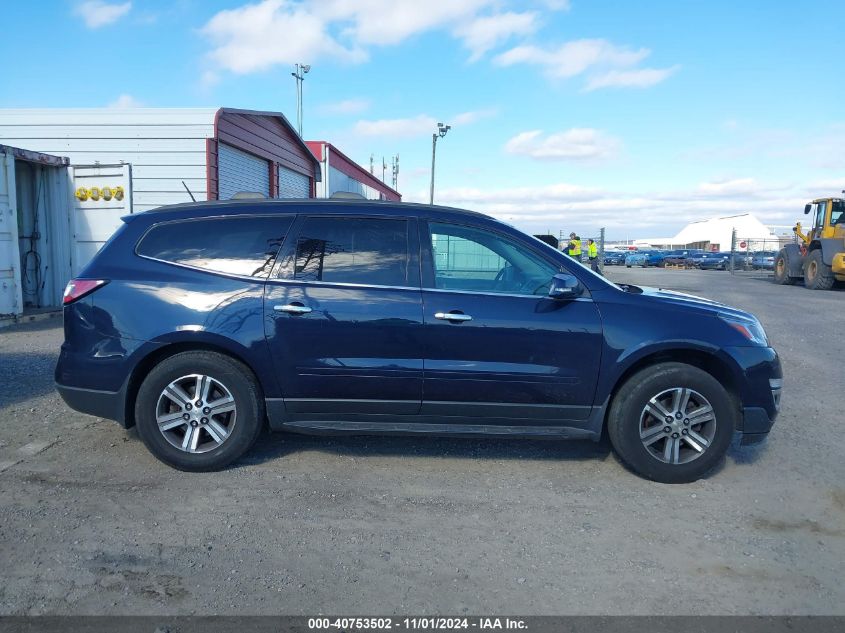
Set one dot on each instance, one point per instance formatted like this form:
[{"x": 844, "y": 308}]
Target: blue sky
[{"x": 637, "y": 116}]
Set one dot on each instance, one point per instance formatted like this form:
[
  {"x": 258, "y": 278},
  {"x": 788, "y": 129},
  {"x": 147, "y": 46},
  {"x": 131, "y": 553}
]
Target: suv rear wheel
[
  {"x": 199, "y": 411},
  {"x": 672, "y": 422}
]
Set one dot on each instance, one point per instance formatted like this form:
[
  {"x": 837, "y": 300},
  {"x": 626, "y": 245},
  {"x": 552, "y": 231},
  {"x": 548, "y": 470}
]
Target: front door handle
[
  {"x": 452, "y": 316},
  {"x": 293, "y": 308}
]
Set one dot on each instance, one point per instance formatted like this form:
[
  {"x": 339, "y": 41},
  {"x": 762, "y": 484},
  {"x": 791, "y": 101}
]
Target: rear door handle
[
  {"x": 452, "y": 316},
  {"x": 293, "y": 308}
]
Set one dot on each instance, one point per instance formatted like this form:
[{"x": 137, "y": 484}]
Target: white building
[
  {"x": 716, "y": 233},
  {"x": 215, "y": 152}
]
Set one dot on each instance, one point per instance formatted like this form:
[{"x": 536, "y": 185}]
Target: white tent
[{"x": 715, "y": 234}]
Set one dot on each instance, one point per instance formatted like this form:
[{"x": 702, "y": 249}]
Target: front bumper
[{"x": 756, "y": 425}]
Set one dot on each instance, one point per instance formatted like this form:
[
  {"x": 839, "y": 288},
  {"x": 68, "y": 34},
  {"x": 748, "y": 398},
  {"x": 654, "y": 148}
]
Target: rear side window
[
  {"x": 244, "y": 246},
  {"x": 353, "y": 250}
]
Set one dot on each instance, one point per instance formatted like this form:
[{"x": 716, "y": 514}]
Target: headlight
[{"x": 751, "y": 329}]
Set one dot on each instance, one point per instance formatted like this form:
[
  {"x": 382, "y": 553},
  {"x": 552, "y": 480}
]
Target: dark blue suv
[{"x": 200, "y": 322}]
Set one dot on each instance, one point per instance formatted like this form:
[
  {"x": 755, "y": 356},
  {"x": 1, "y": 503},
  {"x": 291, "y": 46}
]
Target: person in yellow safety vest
[
  {"x": 574, "y": 247},
  {"x": 593, "y": 255}
]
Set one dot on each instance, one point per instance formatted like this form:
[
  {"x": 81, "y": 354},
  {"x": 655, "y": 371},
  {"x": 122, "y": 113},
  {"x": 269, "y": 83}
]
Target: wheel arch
[
  {"x": 163, "y": 352},
  {"x": 709, "y": 362}
]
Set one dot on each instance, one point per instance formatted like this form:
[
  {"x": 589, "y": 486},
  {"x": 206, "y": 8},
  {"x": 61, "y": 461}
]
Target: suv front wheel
[
  {"x": 672, "y": 422},
  {"x": 199, "y": 411}
]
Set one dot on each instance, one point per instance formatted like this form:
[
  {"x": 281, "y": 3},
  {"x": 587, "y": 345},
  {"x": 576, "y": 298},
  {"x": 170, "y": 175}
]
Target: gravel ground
[{"x": 90, "y": 523}]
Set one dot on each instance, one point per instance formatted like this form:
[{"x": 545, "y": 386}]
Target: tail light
[{"x": 78, "y": 288}]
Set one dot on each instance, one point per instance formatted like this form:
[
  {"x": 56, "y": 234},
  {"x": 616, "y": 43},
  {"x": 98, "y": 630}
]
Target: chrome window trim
[
  {"x": 338, "y": 284},
  {"x": 500, "y": 294}
]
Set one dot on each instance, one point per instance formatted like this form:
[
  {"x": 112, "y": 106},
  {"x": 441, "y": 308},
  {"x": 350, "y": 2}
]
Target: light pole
[
  {"x": 300, "y": 71},
  {"x": 440, "y": 133}
]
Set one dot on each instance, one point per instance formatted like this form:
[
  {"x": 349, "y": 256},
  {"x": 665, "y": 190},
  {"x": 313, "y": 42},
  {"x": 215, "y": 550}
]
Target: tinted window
[
  {"x": 239, "y": 246},
  {"x": 353, "y": 250},
  {"x": 474, "y": 259}
]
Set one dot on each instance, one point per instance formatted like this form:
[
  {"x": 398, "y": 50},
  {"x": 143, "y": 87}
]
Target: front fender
[{"x": 830, "y": 247}]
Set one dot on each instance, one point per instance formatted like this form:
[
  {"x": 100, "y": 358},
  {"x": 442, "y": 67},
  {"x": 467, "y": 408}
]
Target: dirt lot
[{"x": 91, "y": 523}]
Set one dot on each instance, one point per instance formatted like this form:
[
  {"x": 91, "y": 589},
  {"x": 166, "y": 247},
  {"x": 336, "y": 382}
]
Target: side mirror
[
  {"x": 565, "y": 286},
  {"x": 807, "y": 208}
]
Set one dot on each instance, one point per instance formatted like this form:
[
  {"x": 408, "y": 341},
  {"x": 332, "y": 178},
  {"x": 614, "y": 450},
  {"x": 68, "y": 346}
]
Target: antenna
[{"x": 189, "y": 192}]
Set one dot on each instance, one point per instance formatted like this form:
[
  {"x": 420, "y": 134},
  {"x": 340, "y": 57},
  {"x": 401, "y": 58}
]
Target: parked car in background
[
  {"x": 763, "y": 260},
  {"x": 645, "y": 259},
  {"x": 202, "y": 323},
  {"x": 715, "y": 261},
  {"x": 615, "y": 258},
  {"x": 742, "y": 260},
  {"x": 694, "y": 260},
  {"x": 679, "y": 257}
]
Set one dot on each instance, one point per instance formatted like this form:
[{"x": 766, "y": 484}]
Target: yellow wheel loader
[{"x": 819, "y": 256}]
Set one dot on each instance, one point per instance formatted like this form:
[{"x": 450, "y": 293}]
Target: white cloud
[
  {"x": 473, "y": 116},
  {"x": 386, "y": 22},
  {"x": 420, "y": 125},
  {"x": 397, "y": 128},
  {"x": 96, "y": 13},
  {"x": 347, "y": 106},
  {"x": 483, "y": 33},
  {"x": 573, "y": 58},
  {"x": 637, "y": 78},
  {"x": 568, "y": 206},
  {"x": 125, "y": 101},
  {"x": 577, "y": 144},
  {"x": 256, "y": 37},
  {"x": 606, "y": 64}
]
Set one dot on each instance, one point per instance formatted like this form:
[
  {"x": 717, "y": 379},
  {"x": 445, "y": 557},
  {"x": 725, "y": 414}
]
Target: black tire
[
  {"x": 245, "y": 427},
  {"x": 628, "y": 406},
  {"x": 781, "y": 270},
  {"x": 817, "y": 274}
]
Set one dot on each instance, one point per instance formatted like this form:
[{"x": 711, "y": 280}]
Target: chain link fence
[{"x": 755, "y": 257}]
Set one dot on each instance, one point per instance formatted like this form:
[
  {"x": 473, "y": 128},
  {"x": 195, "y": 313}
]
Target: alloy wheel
[
  {"x": 677, "y": 425},
  {"x": 196, "y": 413}
]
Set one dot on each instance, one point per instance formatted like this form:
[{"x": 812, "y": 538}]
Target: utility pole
[
  {"x": 383, "y": 169},
  {"x": 441, "y": 132},
  {"x": 299, "y": 75},
  {"x": 395, "y": 171}
]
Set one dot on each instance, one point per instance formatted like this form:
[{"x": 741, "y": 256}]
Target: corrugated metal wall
[
  {"x": 10, "y": 277},
  {"x": 241, "y": 171},
  {"x": 293, "y": 185},
  {"x": 164, "y": 145}
]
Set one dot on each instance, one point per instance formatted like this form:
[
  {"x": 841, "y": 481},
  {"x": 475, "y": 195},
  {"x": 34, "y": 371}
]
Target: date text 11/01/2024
[{"x": 419, "y": 623}]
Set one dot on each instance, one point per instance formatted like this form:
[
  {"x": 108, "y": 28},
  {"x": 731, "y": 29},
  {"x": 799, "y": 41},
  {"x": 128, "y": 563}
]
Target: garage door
[
  {"x": 241, "y": 171},
  {"x": 293, "y": 184}
]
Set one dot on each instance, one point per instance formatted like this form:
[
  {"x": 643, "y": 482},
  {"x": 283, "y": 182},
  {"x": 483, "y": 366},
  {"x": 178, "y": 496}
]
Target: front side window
[
  {"x": 466, "y": 258},
  {"x": 244, "y": 246},
  {"x": 821, "y": 209},
  {"x": 353, "y": 250}
]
